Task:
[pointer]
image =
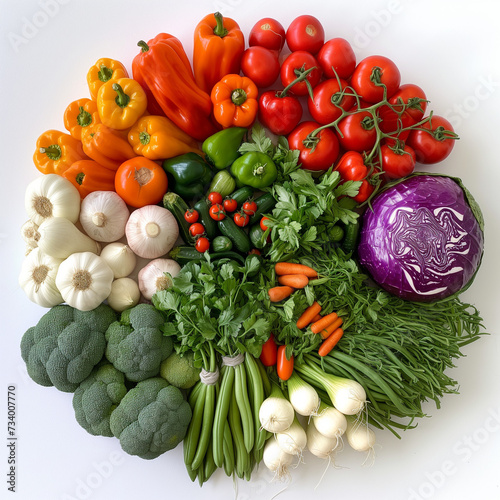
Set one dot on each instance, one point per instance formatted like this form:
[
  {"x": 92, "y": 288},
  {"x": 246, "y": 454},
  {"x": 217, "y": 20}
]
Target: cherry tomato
[
  {"x": 191, "y": 215},
  {"x": 214, "y": 198},
  {"x": 202, "y": 244},
  {"x": 435, "y": 142},
  {"x": 372, "y": 74},
  {"x": 357, "y": 132},
  {"x": 279, "y": 114},
  {"x": 263, "y": 224},
  {"x": 217, "y": 212},
  {"x": 318, "y": 153},
  {"x": 397, "y": 161},
  {"x": 329, "y": 101},
  {"x": 305, "y": 33},
  {"x": 269, "y": 354},
  {"x": 196, "y": 229},
  {"x": 267, "y": 33},
  {"x": 300, "y": 61},
  {"x": 284, "y": 367},
  {"x": 255, "y": 251},
  {"x": 249, "y": 207},
  {"x": 241, "y": 219},
  {"x": 230, "y": 205},
  {"x": 261, "y": 65},
  {"x": 337, "y": 58}
]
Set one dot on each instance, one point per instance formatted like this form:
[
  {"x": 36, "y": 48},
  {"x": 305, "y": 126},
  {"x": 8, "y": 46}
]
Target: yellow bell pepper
[
  {"x": 120, "y": 103},
  {"x": 158, "y": 138},
  {"x": 104, "y": 70}
]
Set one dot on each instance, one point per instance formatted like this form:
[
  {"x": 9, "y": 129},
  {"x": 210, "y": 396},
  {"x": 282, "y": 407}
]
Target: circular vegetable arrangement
[{"x": 237, "y": 253}]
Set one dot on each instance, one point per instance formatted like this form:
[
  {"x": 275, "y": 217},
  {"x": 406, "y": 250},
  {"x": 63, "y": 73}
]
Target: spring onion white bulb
[
  {"x": 275, "y": 459},
  {"x": 303, "y": 396},
  {"x": 360, "y": 435},
  {"x": 276, "y": 413},
  {"x": 330, "y": 422},
  {"x": 119, "y": 258},
  {"x": 292, "y": 440},
  {"x": 156, "y": 276},
  {"x": 320, "y": 445},
  {"x": 124, "y": 294}
]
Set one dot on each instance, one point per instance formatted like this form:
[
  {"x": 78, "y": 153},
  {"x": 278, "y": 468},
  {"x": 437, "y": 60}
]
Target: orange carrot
[
  {"x": 283, "y": 268},
  {"x": 323, "y": 322},
  {"x": 316, "y": 318},
  {"x": 330, "y": 342},
  {"x": 308, "y": 315},
  {"x": 294, "y": 280},
  {"x": 325, "y": 333},
  {"x": 278, "y": 293}
]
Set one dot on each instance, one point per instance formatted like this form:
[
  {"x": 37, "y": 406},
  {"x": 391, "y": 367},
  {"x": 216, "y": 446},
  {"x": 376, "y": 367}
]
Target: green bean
[
  {"x": 210, "y": 466},
  {"x": 255, "y": 382},
  {"x": 228, "y": 450},
  {"x": 206, "y": 429},
  {"x": 241, "y": 454},
  {"x": 194, "y": 429},
  {"x": 241, "y": 394}
]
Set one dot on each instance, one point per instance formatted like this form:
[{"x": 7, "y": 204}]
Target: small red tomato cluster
[{"x": 362, "y": 121}]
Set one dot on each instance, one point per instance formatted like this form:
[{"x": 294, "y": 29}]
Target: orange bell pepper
[
  {"x": 158, "y": 138},
  {"x": 88, "y": 176},
  {"x": 56, "y": 151},
  {"x": 79, "y": 114},
  {"x": 235, "y": 101},
  {"x": 121, "y": 103},
  {"x": 218, "y": 46},
  {"x": 107, "y": 146},
  {"x": 104, "y": 70}
]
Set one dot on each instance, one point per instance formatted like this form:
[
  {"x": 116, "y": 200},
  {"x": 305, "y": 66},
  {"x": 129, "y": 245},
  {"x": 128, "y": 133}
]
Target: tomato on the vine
[
  {"x": 214, "y": 197},
  {"x": 279, "y": 114},
  {"x": 318, "y": 152},
  {"x": 241, "y": 219},
  {"x": 433, "y": 141},
  {"x": 372, "y": 74},
  {"x": 230, "y": 205},
  {"x": 249, "y": 207},
  {"x": 261, "y": 65},
  {"x": 267, "y": 33},
  {"x": 217, "y": 211},
  {"x": 337, "y": 58},
  {"x": 305, "y": 33},
  {"x": 202, "y": 244},
  {"x": 357, "y": 132},
  {"x": 300, "y": 61},
  {"x": 329, "y": 100},
  {"x": 397, "y": 161},
  {"x": 191, "y": 215},
  {"x": 196, "y": 229}
]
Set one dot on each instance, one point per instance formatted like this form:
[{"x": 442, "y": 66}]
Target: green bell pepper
[
  {"x": 221, "y": 149},
  {"x": 189, "y": 175},
  {"x": 254, "y": 169}
]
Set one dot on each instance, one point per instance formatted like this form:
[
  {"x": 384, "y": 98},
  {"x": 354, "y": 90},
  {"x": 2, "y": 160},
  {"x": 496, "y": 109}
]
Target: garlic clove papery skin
[
  {"x": 38, "y": 278},
  {"x": 119, "y": 258},
  {"x": 84, "y": 280},
  {"x": 30, "y": 234},
  {"x": 103, "y": 216},
  {"x": 51, "y": 196},
  {"x": 157, "y": 275},
  {"x": 124, "y": 294}
]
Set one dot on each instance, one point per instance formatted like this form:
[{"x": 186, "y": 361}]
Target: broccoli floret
[
  {"x": 151, "y": 419},
  {"x": 136, "y": 344},
  {"x": 180, "y": 370},
  {"x": 65, "y": 345},
  {"x": 96, "y": 397}
]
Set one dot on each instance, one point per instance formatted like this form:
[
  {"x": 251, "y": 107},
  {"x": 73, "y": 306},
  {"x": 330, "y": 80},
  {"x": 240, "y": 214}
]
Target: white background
[{"x": 449, "y": 48}]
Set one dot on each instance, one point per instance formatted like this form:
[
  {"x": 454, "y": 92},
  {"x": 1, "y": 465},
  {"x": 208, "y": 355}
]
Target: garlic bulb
[
  {"x": 125, "y": 293},
  {"x": 60, "y": 238},
  {"x": 119, "y": 258},
  {"x": 151, "y": 231},
  {"x": 38, "y": 278},
  {"x": 30, "y": 234},
  {"x": 84, "y": 280},
  {"x": 52, "y": 196},
  {"x": 153, "y": 276},
  {"x": 103, "y": 216}
]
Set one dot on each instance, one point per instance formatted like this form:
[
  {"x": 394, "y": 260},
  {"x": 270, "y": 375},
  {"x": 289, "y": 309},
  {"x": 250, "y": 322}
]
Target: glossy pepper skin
[
  {"x": 254, "y": 169},
  {"x": 80, "y": 114},
  {"x": 221, "y": 149},
  {"x": 121, "y": 103},
  {"x": 163, "y": 69},
  {"x": 158, "y": 138},
  {"x": 56, "y": 151},
  {"x": 106, "y": 146},
  {"x": 104, "y": 70},
  {"x": 88, "y": 176},
  {"x": 218, "y": 46},
  {"x": 189, "y": 175}
]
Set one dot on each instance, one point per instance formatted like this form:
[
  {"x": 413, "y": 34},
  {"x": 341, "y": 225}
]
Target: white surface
[{"x": 449, "y": 48}]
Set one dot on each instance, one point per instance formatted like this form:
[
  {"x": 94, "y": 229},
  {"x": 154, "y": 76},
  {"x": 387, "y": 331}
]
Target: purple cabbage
[{"x": 423, "y": 239}]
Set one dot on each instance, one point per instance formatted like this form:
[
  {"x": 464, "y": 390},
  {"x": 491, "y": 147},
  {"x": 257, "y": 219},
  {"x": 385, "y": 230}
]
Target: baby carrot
[
  {"x": 323, "y": 322},
  {"x": 330, "y": 342},
  {"x": 278, "y": 293},
  {"x": 325, "y": 333},
  {"x": 308, "y": 315},
  {"x": 294, "y": 280},
  {"x": 283, "y": 268}
]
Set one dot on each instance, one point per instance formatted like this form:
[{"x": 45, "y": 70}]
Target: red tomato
[
  {"x": 305, "y": 33},
  {"x": 372, "y": 74},
  {"x": 241, "y": 219},
  {"x": 196, "y": 229},
  {"x": 267, "y": 33},
  {"x": 397, "y": 162},
  {"x": 318, "y": 153},
  {"x": 263, "y": 224},
  {"x": 284, "y": 367},
  {"x": 269, "y": 354},
  {"x": 279, "y": 114},
  {"x": 337, "y": 58},
  {"x": 202, "y": 244},
  {"x": 249, "y": 207},
  {"x": 300, "y": 61},
  {"x": 214, "y": 197},
  {"x": 217, "y": 212},
  {"x": 329, "y": 101},
  {"x": 435, "y": 143},
  {"x": 351, "y": 167},
  {"x": 230, "y": 205},
  {"x": 191, "y": 215},
  {"x": 357, "y": 132},
  {"x": 261, "y": 65}
]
